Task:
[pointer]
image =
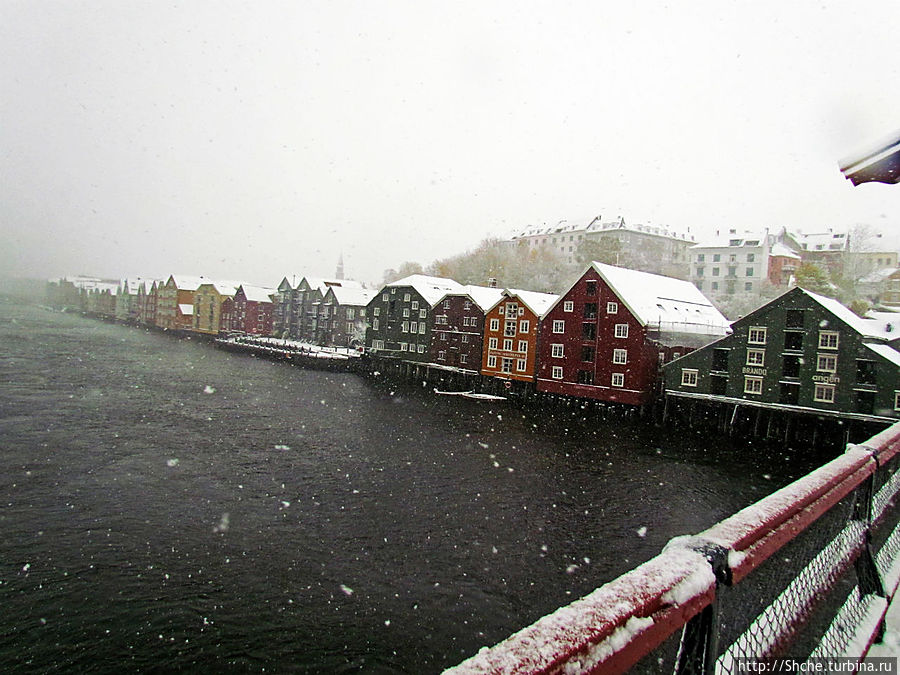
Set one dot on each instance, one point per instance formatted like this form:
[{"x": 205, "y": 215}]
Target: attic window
[
  {"x": 751, "y": 242},
  {"x": 734, "y": 242}
]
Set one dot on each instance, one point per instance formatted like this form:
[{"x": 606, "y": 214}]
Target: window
[
  {"x": 756, "y": 357},
  {"x": 509, "y": 327},
  {"x": 824, "y": 393},
  {"x": 751, "y": 257},
  {"x": 374, "y": 324},
  {"x": 621, "y": 330},
  {"x": 716, "y": 257},
  {"x": 415, "y": 305},
  {"x": 559, "y": 326},
  {"x": 752, "y": 385},
  {"x": 749, "y": 272},
  {"x": 403, "y": 346},
  {"x": 524, "y": 325},
  {"x": 556, "y": 351},
  {"x": 495, "y": 324},
  {"x": 423, "y": 313},
  {"x": 501, "y": 310},
  {"x": 377, "y": 344},
  {"x": 404, "y": 327},
  {"x": 897, "y": 400},
  {"x": 406, "y": 297},
  {"x": 590, "y": 310},
  {"x": 618, "y": 379},
  {"x": 588, "y": 331},
  {"x": 828, "y": 339},
  {"x": 688, "y": 377},
  {"x": 715, "y": 271},
  {"x": 720, "y": 359},
  {"x": 507, "y": 345},
  {"x": 520, "y": 365},
  {"x": 826, "y": 363},
  {"x": 463, "y": 358},
  {"x": 442, "y": 355},
  {"x": 384, "y": 297},
  {"x": 701, "y": 257},
  {"x": 492, "y": 362},
  {"x": 585, "y": 377},
  {"x": 699, "y": 271},
  {"x": 620, "y": 356},
  {"x": 421, "y": 349},
  {"x": 467, "y": 305},
  {"x": 443, "y": 336},
  {"x": 523, "y": 346},
  {"x": 349, "y": 327},
  {"x": 793, "y": 341},
  {"x": 568, "y": 306},
  {"x": 421, "y": 328},
  {"x": 587, "y": 354},
  {"x": 748, "y": 286},
  {"x": 612, "y": 307},
  {"x": 794, "y": 318},
  {"x": 557, "y": 373},
  {"x": 865, "y": 372},
  {"x": 446, "y": 304},
  {"x": 757, "y": 335},
  {"x": 506, "y": 365},
  {"x": 590, "y": 287},
  {"x": 715, "y": 285},
  {"x": 492, "y": 343},
  {"x": 413, "y": 326},
  {"x": 790, "y": 366},
  {"x": 464, "y": 339}
]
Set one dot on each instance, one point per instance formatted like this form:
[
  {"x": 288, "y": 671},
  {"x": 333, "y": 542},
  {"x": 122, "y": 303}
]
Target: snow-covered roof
[
  {"x": 186, "y": 310},
  {"x": 734, "y": 239},
  {"x": 257, "y": 293},
  {"x": 878, "y": 276},
  {"x": 871, "y": 328},
  {"x": 432, "y": 289},
  {"x": 352, "y": 296},
  {"x": 782, "y": 251},
  {"x": 223, "y": 287},
  {"x": 596, "y": 224},
  {"x": 322, "y": 284},
  {"x": 886, "y": 351},
  {"x": 822, "y": 241},
  {"x": 188, "y": 283},
  {"x": 483, "y": 296},
  {"x": 538, "y": 303},
  {"x": 671, "y": 304}
]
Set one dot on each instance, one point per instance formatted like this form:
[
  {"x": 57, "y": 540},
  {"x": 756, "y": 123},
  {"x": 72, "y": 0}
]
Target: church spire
[{"x": 339, "y": 272}]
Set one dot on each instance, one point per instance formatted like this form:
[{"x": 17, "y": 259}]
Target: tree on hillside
[
  {"x": 405, "y": 270},
  {"x": 811, "y": 277},
  {"x": 604, "y": 250}
]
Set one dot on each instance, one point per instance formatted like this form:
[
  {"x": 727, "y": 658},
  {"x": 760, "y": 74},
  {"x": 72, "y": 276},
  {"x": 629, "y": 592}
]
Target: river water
[{"x": 168, "y": 506}]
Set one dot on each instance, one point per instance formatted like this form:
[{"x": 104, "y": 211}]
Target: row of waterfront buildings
[{"x": 615, "y": 335}]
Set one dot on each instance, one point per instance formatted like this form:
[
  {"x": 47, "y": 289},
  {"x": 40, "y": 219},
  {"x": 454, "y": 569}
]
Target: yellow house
[
  {"x": 175, "y": 302},
  {"x": 208, "y": 305}
]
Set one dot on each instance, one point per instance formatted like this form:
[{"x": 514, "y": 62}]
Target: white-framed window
[
  {"x": 621, "y": 330},
  {"x": 403, "y": 346},
  {"x": 752, "y": 384},
  {"x": 467, "y": 305},
  {"x": 404, "y": 327},
  {"x": 509, "y": 327},
  {"x": 756, "y": 335},
  {"x": 505, "y": 364},
  {"x": 523, "y": 346},
  {"x": 415, "y": 305},
  {"x": 406, "y": 312},
  {"x": 524, "y": 325},
  {"x": 897, "y": 400},
  {"x": 413, "y": 326},
  {"x": 520, "y": 365},
  {"x": 421, "y": 349},
  {"x": 443, "y": 336},
  {"x": 688, "y": 377},
  {"x": 512, "y": 309},
  {"x": 507, "y": 345},
  {"x": 421, "y": 328},
  {"x": 349, "y": 327},
  {"x": 463, "y": 358},
  {"x": 556, "y": 373},
  {"x": 556, "y": 351},
  {"x": 492, "y": 361},
  {"x": 423, "y": 313},
  {"x": 442, "y": 355},
  {"x": 824, "y": 393},
  {"x": 374, "y": 324},
  {"x": 620, "y": 356},
  {"x": 495, "y": 324},
  {"x": 559, "y": 326},
  {"x": 501, "y": 310},
  {"x": 756, "y": 357},
  {"x": 826, "y": 363},
  {"x": 377, "y": 344},
  {"x": 406, "y": 297},
  {"x": 464, "y": 338},
  {"x": 492, "y": 343},
  {"x": 384, "y": 297},
  {"x": 828, "y": 339},
  {"x": 568, "y": 306},
  {"x": 376, "y": 311},
  {"x": 618, "y": 379},
  {"x": 612, "y": 307}
]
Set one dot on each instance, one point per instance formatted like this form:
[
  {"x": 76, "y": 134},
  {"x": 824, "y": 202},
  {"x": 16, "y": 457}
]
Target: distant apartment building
[
  {"x": 649, "y": 248},
  {"x": 732, "y": 263}
]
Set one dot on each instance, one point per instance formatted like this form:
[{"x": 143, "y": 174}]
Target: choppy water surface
[{"x": 169, "y": 506}]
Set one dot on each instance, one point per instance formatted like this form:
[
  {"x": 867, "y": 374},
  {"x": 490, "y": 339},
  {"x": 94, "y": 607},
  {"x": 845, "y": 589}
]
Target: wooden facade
[
  {"x": 341, "y": 318},
  {"x": 511, "y": 334},
  {"x": 208, "y": 301},
  {"x": 457, "y": 338},
  {"x": 799, "y": 352},
  {"x": 175, "y": 302},
  {"x": 250, "y": 311},
  {"x": 401, "y": 315},
  {"x": 607, "y": 335}
]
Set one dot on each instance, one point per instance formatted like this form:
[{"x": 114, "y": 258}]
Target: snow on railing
[{"x": 616, "y": 625}]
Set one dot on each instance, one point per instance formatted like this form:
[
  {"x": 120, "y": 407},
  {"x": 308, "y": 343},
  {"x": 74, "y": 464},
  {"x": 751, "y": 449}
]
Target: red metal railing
[{"x": 618, "y": 624}]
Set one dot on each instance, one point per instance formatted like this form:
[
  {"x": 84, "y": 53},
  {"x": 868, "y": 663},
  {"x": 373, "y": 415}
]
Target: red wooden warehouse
[{"x": 606, "y": 337}]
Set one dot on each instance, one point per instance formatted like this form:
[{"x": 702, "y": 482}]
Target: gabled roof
[
  {"x": 352, "y": 296},
  {"x": 886, "y": 351},
  {"x": 878, "y": 276},
  {"x": 780, "y": 250},
  {"x": 223, "y": 287},
  {"x": 870, "y": 328},
  {"x": 322, "y": 284},
  {"x": 432, "y": 289},
  {"x": 256, "y": 293},
  {"x": 822, "y": 241},
  {"x": 187, "y": 283},
  {"x": 538, "y": 303},
  {"x": 734, "y": 239},
  {"x": 672, "y": 305},
  {"x": 483, "y": 296}
]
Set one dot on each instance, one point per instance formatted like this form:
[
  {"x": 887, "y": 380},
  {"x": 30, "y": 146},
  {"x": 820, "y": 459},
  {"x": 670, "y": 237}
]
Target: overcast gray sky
[{"x": 256, "y": 140}]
